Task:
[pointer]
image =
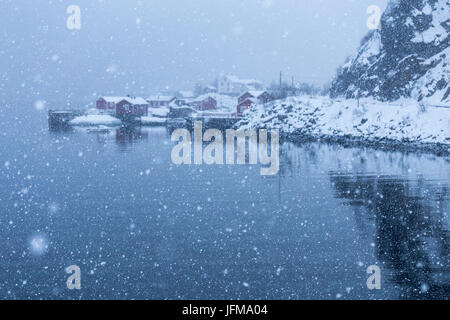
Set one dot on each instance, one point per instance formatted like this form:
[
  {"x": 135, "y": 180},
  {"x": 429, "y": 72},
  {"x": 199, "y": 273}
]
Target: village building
[
  {"x": 108, "y": 104},
  {"x": 232, "y": 85},
  {"x": 137, "y": 107},
  {"x": 182, "y": 98},
  {"x": 185, "y": 94},
  {"x": 209, "y": 89},
  {"x": 180, "y": 112},
  {"x": 204, "y": 103},
  {"x": 261, "y": 96},
  {"x": 121, "y": 106},
  {"x": 247, "y": 99},
  {"x": 160, "y": 101}
]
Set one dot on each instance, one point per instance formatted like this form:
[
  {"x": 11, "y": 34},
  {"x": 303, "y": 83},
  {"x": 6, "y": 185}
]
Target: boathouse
[
  {"x": 120, "y": 106},
  {"x": 204, "y": 103},
  {"x": 137, "y": 107},
  {"x": 108, "y": 104},
  {"x": 247, "y": 99}
]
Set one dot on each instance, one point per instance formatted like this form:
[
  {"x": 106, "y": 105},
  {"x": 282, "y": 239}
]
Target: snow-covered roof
[
  {"x": 203, "y": 98},
  {"x": 256, "y": 93},
  {"x": 62, "y": 112},
  {"x": 136, "y": 100},
  {"x": 224, "y": 102},
  {"x": 187, "y": 94},
  {"x": 129, "y": 99},
  {"x": 160, "y": 98},
  {"x": 113, "y": 99},
  {"x": 235, "y": 79},
  {"x": 251, "y": 100}
]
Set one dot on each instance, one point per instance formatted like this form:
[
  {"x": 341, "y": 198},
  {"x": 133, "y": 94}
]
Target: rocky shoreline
[
  {"x": 385, "y": 144},
  {"x": 404, "y": 126}
]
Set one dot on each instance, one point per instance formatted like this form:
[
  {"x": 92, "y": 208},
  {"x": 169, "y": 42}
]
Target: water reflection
[
  {"x": 410, "y": 235},
  {"x": 198, "y": 232},
  {"x": 126, "y": 137}
]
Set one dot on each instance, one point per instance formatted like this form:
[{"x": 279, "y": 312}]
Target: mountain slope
[{"x": 407, "y": 57}]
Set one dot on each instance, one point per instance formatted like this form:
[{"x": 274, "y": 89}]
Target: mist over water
[{"x": 142, "y": 47}]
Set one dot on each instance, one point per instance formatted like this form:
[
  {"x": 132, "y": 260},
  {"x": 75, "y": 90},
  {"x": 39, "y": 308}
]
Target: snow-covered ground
[
  {"x": 161, "y": 112},
  {"x": 402, "y": 121},
  {"x": 225, "y": 103},
  {"x": 153, "y": 120},
  {"x": 95, "y": 120}
]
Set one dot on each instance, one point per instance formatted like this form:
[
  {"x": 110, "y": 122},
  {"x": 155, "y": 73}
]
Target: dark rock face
[{"x": 408, "y": 56}]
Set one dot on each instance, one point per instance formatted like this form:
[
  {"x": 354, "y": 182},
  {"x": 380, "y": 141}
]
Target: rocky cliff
[{"x": 408, "y": 56}]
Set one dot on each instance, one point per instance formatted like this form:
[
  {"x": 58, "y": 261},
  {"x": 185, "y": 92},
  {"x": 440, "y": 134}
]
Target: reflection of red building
[{"x": 129, "y": 136}]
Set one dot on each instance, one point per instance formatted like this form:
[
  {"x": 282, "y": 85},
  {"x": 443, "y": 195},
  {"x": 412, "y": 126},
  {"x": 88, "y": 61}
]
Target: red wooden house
[
  {"x": 204, "y": 103},
  {"x": 136, "y": 107},
  {"x": 108, "y": 104},
  {"x": 123, "y": 106},
  {"x": 260, "y": 96},
  {"x": 246, "y": 100}
]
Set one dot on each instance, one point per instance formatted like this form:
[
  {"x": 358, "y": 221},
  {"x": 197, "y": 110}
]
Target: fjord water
[{"x": 140, "y": 227}]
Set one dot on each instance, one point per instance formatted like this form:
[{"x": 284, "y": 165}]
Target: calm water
[{"x": 140, "y": 227}]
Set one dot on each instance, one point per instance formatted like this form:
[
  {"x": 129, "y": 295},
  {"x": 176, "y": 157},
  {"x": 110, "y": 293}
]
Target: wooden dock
[
  {"x": 59, "y": 119},
  {"x": 217, "y": 120}
]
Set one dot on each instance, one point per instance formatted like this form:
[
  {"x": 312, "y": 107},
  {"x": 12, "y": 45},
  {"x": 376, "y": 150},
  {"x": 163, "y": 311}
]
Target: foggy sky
[{"x": 141, "y": 47}]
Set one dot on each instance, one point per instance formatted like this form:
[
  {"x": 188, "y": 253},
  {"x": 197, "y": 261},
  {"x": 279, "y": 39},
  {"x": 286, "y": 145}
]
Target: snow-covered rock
[
  {"x": 402, "y": 121},
  {"x": 407, "y": 57}
]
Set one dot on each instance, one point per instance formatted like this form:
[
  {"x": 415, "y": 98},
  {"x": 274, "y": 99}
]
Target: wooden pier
[
  {"x": 60, "y": 119},
  {"x": 215, "y": 119}
]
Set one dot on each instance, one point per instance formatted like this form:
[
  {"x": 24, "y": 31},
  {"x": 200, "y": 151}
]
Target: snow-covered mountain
[{"x": 408, "y": 56}]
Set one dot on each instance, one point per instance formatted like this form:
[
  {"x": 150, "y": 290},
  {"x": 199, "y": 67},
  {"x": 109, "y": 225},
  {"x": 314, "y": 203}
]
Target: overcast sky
[{"x": 141, "y": 46}]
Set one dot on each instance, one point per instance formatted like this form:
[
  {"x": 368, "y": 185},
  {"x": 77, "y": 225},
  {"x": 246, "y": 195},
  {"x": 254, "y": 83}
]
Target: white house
[
  {"x": 160, "y": 101},
  {"x": 232, "y": 85}
]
